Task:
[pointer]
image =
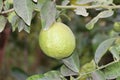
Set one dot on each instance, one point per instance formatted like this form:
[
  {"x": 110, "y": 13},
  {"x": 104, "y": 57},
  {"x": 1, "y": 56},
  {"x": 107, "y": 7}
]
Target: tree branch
[
  {"x": 90, "y": 7},
  {"x": 99, "y": 68},
  {"x": 73, "y": 7},
  {"x": 7, "y": 11}
]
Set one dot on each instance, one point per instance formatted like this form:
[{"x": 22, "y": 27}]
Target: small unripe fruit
[{"x": 117, "y": 26}]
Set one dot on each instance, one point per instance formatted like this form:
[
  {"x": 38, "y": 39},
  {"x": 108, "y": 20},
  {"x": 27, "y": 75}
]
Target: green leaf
[
  {"x": 1, "y": 5},
  {"x": 48, "y": 14},
  {"x": 72, "y": 78},
  {"x": 112, "y": 71},
  {"x": 13, "y": 19},
  {"x": 39, "y": 5},
  {"x": 118, "y": 48},
  {"x": 10, "y": 1},
  {"x": 84, "y": 1},
  {"x": 91, "y": 24},
  {"x": 7, "y": 5},
  {"x": 114, "y": 52},
  {"x": 103, "y": 2},
  {"x": 98, "y": 75},
  {"x": 36, "y": 77},
  {"x": 24, "y": 8},
  {"x": 81, "y": 11},
  {"x": 88, "y": 67},
  {"x": 65, "y": 71},
  {"x": 19, "y": 74},
  {"x": 105, "y": 14},
  {"x": 72, "y": 62},
  {"x": 3, "y": 22},
  {"x": 53, "y": 75},
  {"x": 65, "y": 2},
  {"x": 17, "y": 22},
  {"x": 27, "y": 28},
  {"x": 22, "y": 25},
  {"x": 102, "y": 49}
]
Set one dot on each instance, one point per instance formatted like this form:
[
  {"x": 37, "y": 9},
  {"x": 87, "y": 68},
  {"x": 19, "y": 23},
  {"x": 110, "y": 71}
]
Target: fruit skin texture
[{"x": 58, "y": 41}]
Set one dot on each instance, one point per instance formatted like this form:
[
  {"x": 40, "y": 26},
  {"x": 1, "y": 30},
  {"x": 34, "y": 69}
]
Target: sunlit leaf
[
  {"x": 81, "y": 11},
  {"x": 72, "y": 78},
  {"x": 48, "y": 14},
  {"x": 112, "y": 71},
  {"x": 53, "y": 75},
  {"x": 7, "y": 5},
  {"x": 98, "y": 75},
  {"x": 102, "y": 49},
  {"x": 13, "y": 19},
  {"x": 10, "y": 1},
  {"x": 35, "y": 77},
  {"x": 24, "y": 8},
  {"x": 65, "y": 71},
  {"x": 88, "y": 67},
  {"x": 91, "y": 24},
  {"x": 72, "y": 62},
  {"x": 105, "y": 14},
  {"x": 3, "y": 22}
]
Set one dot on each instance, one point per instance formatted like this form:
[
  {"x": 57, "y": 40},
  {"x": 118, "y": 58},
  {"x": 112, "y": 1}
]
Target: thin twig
[
  {"x": 73, "y": 7},
  {"x": 96, "y": 69},
  {"x": 7, "y": 11},
  {"x": 89, "y": 7}
]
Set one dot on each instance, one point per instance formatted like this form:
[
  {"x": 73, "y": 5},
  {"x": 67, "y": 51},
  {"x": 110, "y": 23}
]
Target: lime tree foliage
[{"x": 19, "y": 13}]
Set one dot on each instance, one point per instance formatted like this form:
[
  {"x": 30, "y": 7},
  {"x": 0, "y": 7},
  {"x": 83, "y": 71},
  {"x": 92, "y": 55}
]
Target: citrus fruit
[
  {"x": 57, "y": 41},
  {"x": 117, "y": 26}
]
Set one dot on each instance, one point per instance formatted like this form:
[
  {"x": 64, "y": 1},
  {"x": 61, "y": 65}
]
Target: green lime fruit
[
  {"x": 117, "y": 26},
  {"x": 58, "y": 41}
]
